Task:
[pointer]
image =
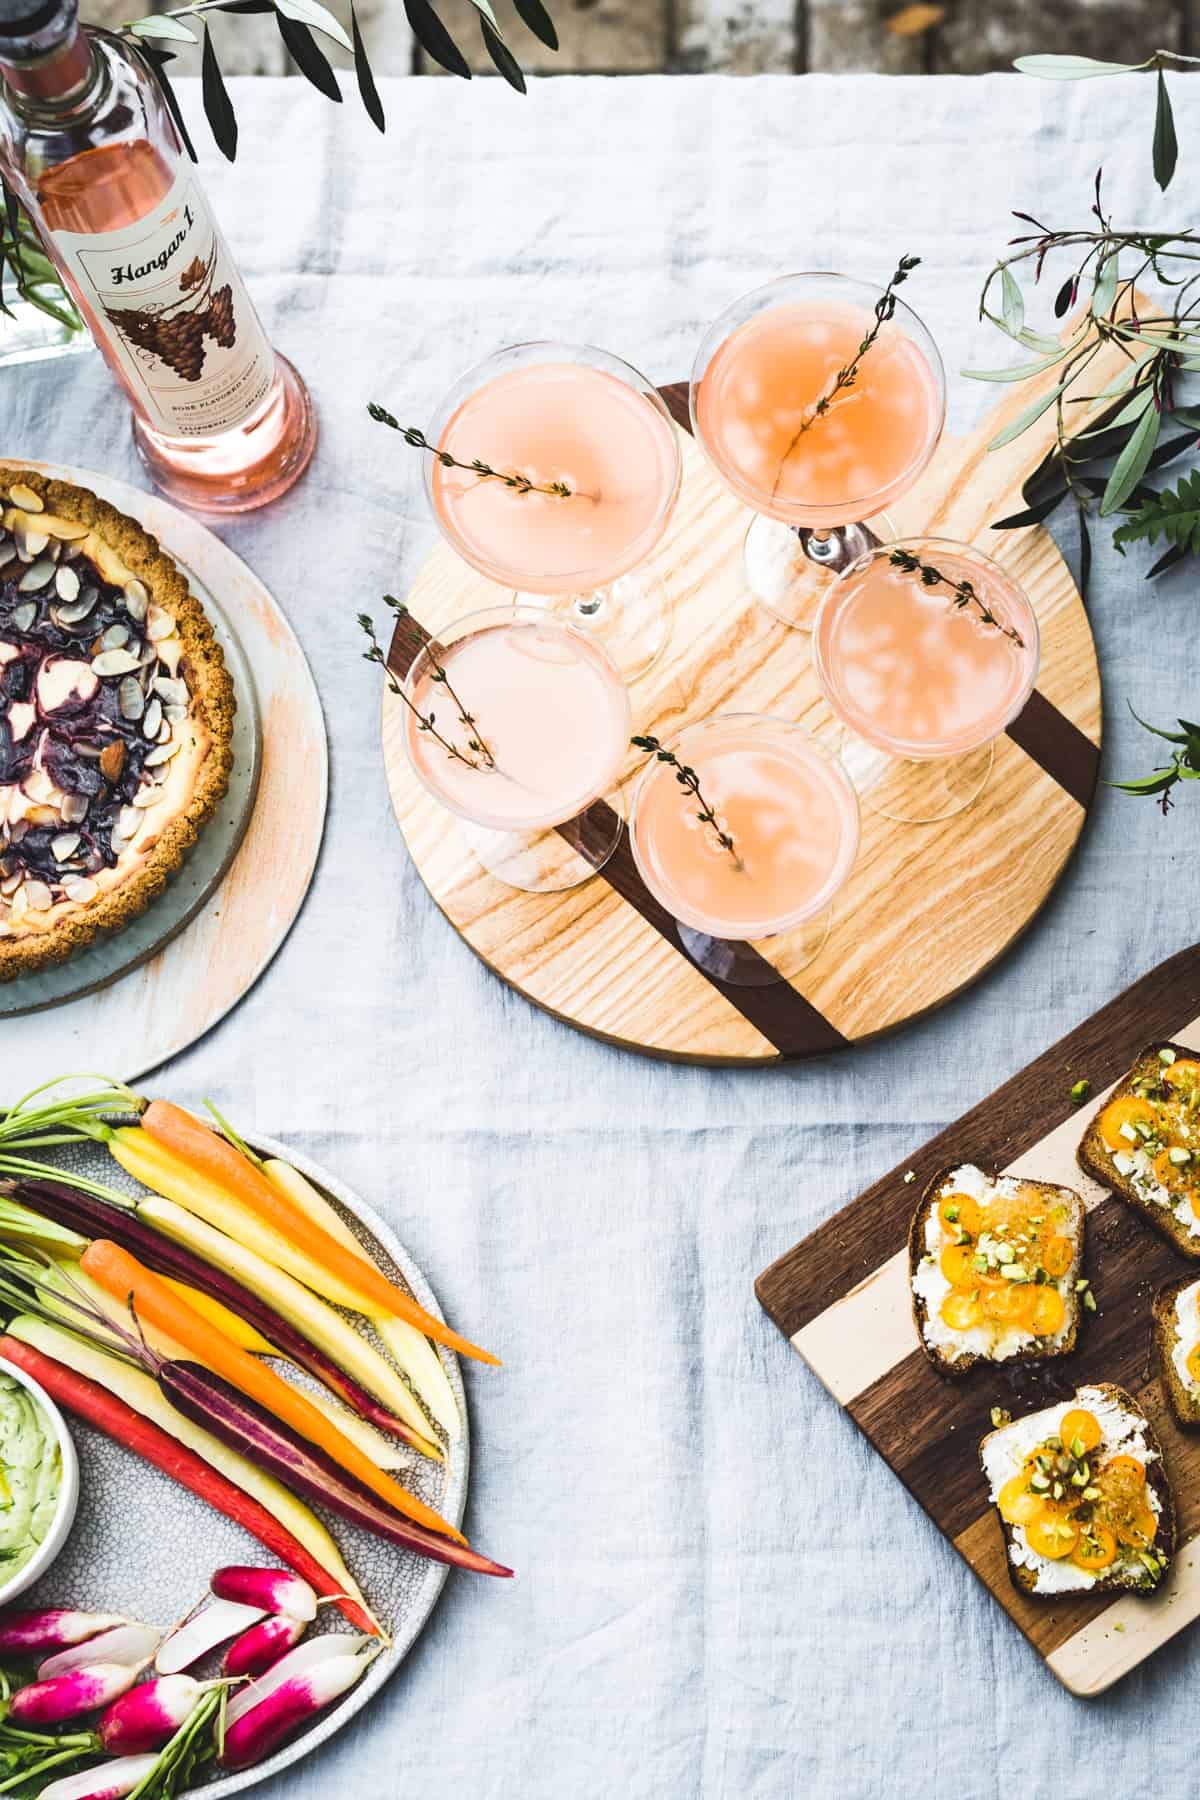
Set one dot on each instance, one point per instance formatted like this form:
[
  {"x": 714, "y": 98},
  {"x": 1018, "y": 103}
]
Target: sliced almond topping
[{"x": 25, "y": 498}]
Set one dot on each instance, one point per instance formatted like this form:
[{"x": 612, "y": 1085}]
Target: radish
[
  {"x": 66, "y": 1696},
  {"x": 214, "y": 1624},
  {"x": 260, "y": 1648},
  {"x": 298, "y": 1662},
  {"x": 112, "y": 1781},
  {"x": 293, "y": 1698},
  {"x": 25, "y": 1633},
  {"x": 145, "y": 1717},
  {"x": 274, "y": 1590},
  {"x": 123, "y": 1644}
]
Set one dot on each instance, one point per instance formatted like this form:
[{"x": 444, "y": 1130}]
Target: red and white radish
[
  {"x": 260, "y": 1648},
  {"x": 293, "y": 1699},
  {"x": 298, "y": 1662},
  {"x": 67, "y": 1696},
  {"x": 123, "y": 1644},
  {"x": 274, "y": 1590},
  {"x": 149, "y": 1714},
  {"x": 214, "y": 1624},
  {"x": 112, "y": 1781},
  {"x": 25, "y": 1633}
]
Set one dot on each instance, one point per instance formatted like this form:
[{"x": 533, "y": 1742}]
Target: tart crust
[{"x": 211, "y": 701}]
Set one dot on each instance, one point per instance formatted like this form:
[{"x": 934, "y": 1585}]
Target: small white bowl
[{"x": 68, "y": 1493}]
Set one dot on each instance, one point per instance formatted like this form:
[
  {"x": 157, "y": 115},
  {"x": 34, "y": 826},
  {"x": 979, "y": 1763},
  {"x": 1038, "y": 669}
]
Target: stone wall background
[{"x": 737, "y": 36}]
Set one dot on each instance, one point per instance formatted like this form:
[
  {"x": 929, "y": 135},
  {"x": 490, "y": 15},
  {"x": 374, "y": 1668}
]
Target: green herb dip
[{"x": 30, "y": 1476}]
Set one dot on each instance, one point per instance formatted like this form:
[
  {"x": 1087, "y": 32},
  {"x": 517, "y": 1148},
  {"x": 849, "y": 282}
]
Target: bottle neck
[{"x": 56, "y": 81}]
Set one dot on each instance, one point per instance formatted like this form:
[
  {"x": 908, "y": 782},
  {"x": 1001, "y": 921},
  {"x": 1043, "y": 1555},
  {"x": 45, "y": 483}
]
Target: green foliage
[{"x": 1173, "y": 514}]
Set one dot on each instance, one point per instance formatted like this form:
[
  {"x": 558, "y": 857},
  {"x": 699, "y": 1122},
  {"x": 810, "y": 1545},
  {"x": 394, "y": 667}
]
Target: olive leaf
[
  {"x": 534, "y": 15},
  {"x": 308, "y": 55},
  {"x": 368, "y": 92},
  {"x": 317, "y": 18},
  {"x": 1166, "y": 147},
  {"x": 1012, "y": 304},
  {"x": 434, "y": 39},
  {"x": 163, "y": 26},
  {"x": 1130, "y": 466},
  {"x": 1071, "y": 68},
  {"x": 1025, "y": 419},
  {"x": 217, "y": 105}
]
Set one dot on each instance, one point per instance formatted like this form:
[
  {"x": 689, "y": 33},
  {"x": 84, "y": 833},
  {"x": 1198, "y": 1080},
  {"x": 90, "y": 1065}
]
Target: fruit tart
[{"x": 116, "y": 720}]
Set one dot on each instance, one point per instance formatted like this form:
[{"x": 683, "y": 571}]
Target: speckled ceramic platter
[
  {"x": 186, "y": 967},
  {"x": 142, "y": 1545},
  {"x": 203, "y": 871}
]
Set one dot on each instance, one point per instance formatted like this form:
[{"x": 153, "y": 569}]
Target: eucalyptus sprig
[
  {"x": 687, "y": 778},
  {"x": 1183, "y": 766},
  {"x": 512, "y": 478},
  {"x": 427, "y": 722},
  {"x": 965, "y": 592}
]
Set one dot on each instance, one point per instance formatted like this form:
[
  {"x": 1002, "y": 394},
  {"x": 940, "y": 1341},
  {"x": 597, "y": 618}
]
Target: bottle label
[{"x": 175, "y": 314}]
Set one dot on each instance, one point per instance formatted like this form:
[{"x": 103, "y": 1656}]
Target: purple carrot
[
  {"x": 241, "y": 1423},
  {"x": 273, "y": 1590},
  {"x": 27, "y": 1633},
  {"x": 260, "y": 1648},
  {"x": 112, "y": 1781},
  {"x": 148, "y": 1715},
  {"x": 67, "y": 1696},
  {"x": 95, "y": 1218}
]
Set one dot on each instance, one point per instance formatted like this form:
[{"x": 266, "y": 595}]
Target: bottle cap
[{"x": 31, "y": 29}]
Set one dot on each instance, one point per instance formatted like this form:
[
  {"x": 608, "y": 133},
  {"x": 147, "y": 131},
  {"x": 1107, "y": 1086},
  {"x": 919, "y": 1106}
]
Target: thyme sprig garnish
[
  {"x": 427, "y": 721},
  {"x": 687, "y": 778},
  {"x": 512, "y": 478},
  {"x": 965, "y": 592},
  {"x": 846, "y": 377}
]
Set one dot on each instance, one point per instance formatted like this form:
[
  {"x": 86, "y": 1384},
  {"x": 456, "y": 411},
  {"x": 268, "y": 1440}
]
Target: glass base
[
  {"x": 30, "y": 335},
  {"x": 915, "y": 793},
  {"x": 555, "y": 859},
  {"x": 240, "y": 469},
  {"x": 744, "y": 965},
  {"x": 630, "y": 617},
  {"x": 789, "y": 569}
]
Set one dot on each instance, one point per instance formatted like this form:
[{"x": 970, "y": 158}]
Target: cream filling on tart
[{"x": 146, "y": 721}]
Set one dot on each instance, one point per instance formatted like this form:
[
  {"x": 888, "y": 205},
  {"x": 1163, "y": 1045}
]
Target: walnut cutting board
[
  {"x": 927, "y": 909},
  {"x": 842, "y": 1298}
]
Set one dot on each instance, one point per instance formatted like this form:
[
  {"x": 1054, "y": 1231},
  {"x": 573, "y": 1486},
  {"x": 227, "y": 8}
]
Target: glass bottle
[{"x": 222, "y": 422}]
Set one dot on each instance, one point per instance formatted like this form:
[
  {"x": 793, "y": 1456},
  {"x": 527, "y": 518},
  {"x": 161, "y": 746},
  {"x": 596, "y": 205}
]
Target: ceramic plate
[{"x": 144, "y": 1546}]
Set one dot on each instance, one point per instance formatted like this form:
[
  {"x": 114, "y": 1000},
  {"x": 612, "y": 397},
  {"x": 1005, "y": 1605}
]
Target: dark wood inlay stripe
[
  {"x": 789, "y": 1022},
  {"x": 1058, "y": 746},
  {"x": 856, "y": 1241}
]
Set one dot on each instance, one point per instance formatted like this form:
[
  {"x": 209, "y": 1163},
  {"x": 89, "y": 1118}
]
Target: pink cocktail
[
  {"x": 925, "y": 673},
  {"x": 518, "y": 721},
  {"x": 792, "y": 818},
  {"x": 816, "y": 461},
  {"x": 597, "y": 464}
]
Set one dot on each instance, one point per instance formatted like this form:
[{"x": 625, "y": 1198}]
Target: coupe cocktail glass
[
  {"x": 792, "y": 815},
  {"x": 518, "y": 721},
  {"x": 817, "y": 483},
  {"x": 572, "y": 415},
  {"x": 919, "y": 678}
]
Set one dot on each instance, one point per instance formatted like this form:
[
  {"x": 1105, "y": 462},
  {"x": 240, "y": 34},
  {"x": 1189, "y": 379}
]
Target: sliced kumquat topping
[
  {"x": 1079, "y": 1427},
  {"x": 958, "y": 1264},
  {"x": 1058, "y": 1253},
  {"x": 1049, "y": 1311},
  {"x": 1017, "y": 1501},
  {"x": 1096, "y": 1549},
  {"x": 1052, "y": 1534},
  {"x": 1183, "y": 1073},
  {"x": 1138, "y": 1528},
  {"x": 960, "y": 1309},
  {"x": 1176, "y": 1177},
  {"x": 1193, "y": 1362},
  {"x": 1129, "y": 1110},
  {"x": 1006, "y": 1303},
  {"x": 958, "y": 1212}
]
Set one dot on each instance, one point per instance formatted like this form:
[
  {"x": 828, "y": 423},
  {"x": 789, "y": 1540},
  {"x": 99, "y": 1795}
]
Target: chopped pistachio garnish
[
  {"x": 910, "y": 1177},
  {"x": 1166, "y": 1055},
  {"x": 1089, "y": 1300},
  {"x": 1000, "y": 1417},
  {"x": 1080, "y": 1092}
]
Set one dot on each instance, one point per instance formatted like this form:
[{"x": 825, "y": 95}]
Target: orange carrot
[
  {"x": 122, "y": 1276},
  {"x": 214, "y": 1157}
]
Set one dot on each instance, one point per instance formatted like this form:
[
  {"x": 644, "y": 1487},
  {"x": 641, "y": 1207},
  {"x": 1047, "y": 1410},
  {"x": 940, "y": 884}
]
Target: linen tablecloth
[{"x": 721, "y": 1589}]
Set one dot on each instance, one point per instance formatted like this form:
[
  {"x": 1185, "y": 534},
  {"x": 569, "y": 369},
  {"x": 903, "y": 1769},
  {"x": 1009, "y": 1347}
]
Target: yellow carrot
[
  {"x": 248, "y": 1336},
  {"x": 122, "y": 1276}
]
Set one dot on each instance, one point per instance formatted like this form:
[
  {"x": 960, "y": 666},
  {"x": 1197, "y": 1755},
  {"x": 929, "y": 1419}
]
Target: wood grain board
[
  {"x": 158, "y": 1009},
  {"x": 927, "y": 909},
  {"x": 842, "y": 1298}
]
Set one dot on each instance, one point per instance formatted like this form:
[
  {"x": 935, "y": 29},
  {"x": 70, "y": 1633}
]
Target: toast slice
[
  {"x": 974, "y": 1215},
  {"x": 1144, "y": 1143},
  {"x": 1094, "y": 1499},
  {"x": 1176, "y": 1314}
]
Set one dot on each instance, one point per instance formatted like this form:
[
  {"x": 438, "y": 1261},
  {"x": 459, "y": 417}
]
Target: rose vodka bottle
[{"x": 221, "y": 421}]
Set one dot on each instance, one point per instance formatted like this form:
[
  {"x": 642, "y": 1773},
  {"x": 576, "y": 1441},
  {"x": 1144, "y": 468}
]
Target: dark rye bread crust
[
  {"x": 1156, "y": 1478},
  {"x": 1096, "y": 1159},
  {"x": 212, "y": 696},
  {"x": 955, "y": 1367},
  {"x": 1184, "y": 1405}
]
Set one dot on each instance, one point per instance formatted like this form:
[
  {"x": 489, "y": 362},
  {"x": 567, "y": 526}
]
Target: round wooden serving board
[
  {"x": 140, "y": 1016},
  {"x": 927, "y": 909}
]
